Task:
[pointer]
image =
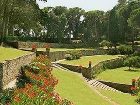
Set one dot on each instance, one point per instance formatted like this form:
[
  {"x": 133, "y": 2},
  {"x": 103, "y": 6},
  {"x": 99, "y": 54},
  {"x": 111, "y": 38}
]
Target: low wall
[
  {"x": 121, "y": 87},
  {"x": 72, "y": 68},
  {"x": 20, "y": 44},
  {"x": 95, "y": 70},
  {"x": 86, "y": 72},
  {"x": 108, "y": 64},
  {"x": 59, "y": 55},
  {"x": 9, "y": 69}
]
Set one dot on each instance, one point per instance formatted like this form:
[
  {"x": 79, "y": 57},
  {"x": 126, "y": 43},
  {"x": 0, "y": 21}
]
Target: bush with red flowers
[
  {"x": 40, "y": 90},
  {"x": 135, "y": 88},
  {"x": 34, "y": 47}
]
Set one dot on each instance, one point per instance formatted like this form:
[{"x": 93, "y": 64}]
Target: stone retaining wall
[
  {"x": 20, "y": 44},
  {"x": 108, "y": 64},
  {"x": 59, "y": 55},
  {"x": 121, "y": 87},
  {"x": 9, "y": 69},
  {"x": 95, "y": 70}
]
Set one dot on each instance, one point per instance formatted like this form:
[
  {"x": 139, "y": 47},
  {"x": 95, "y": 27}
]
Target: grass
[
  {"x": 10, "y": 53},
  {"x": 85, "y": 60},
  {"x": 120, "y": 98},
  {"x": 73, "y": 88},
  {"x": 119, "y": 75}
]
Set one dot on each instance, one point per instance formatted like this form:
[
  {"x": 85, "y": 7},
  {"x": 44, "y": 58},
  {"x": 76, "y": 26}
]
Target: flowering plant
[
  {"x": 40, "y": 91},
  {"x": 34, "y": 47},
  {"x": 135, "y": 88}
]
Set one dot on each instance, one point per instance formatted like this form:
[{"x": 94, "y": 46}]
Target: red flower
[
  {"x": 133, "y": 88},
  {"x": 34, "y": 46},
  {"x": 17, "y": 99},
  {"x": 31, "y": 94}
]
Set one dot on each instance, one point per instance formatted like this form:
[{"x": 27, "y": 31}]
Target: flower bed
[
  {"x": 35, "y": 86},
  {"x": 135, "y": 88}
]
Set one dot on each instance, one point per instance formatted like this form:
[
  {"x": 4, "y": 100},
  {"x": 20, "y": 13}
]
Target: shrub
[
  {"x": 125, "y": 49},
  {"x": 112, "y": 51},
  {"x": 136, "y": 53},
  {"x": 72, "y": 55},
  {"x": 106, "y": 43},
  {"x": 68, "y": 57},
  {"x": 132, "y": 62},
  {"x": 6, "y": 96},
  {"x": 100, "y": 51},
  {"x": 22, "y": 79}
]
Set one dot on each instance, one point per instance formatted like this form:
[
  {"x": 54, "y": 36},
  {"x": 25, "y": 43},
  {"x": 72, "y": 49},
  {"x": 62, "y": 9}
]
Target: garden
[{"x": 69, "y": 56}]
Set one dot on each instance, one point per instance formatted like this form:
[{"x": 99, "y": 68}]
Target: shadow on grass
[{"x": 132, "y": 70}]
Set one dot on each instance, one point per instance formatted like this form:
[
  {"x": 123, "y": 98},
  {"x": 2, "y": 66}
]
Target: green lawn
[
  {"x": 122, "y": 99},
  {"x": 10, "y": 53},
  {"x": 85, "y": 60},
  {"x": 119, "y": 75},
  {"x": 73, "y": 88}
]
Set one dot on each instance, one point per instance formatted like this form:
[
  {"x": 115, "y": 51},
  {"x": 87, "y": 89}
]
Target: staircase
[{"x": 95, "y": 83}]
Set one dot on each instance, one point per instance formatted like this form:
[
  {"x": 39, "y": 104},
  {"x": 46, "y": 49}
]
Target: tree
[
  {"x": 8, "y": 8},
  {"x": 55, "y": 22},
  {"x": 93, "y": 23},
  {"x": 114, "y": 36},
  {"x": 73, "y": 18},
  {"x": 134, "y": 20}
]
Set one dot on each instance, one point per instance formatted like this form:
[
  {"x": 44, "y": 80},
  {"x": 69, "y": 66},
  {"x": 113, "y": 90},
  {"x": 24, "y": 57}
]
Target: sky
[{"x": 87, "y": 5}]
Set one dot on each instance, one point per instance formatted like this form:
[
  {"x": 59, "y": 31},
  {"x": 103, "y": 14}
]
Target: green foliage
[
  {"x": 6, "y": 96},
  {"x": 22, "y": 79},
  {"x": 138, "y": 99},
  {"x": 72, "y": 55},
  {"x": 106, "y": 43},
  {"x": 134, "y": 20},
  {"x": 125, "y": 49},
  {"x": 112, "y": 51},
  {"x": 68, "y": 57},
  {"x": 132, "y": 62},
  {"x": 136, "y": 53}
]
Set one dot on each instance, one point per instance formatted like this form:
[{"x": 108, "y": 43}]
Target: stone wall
[
  {"x": 121, "y": 87},
  {"x": 9, "y": 69},
  {"x": 59, "y": 55},
  {"x": 108, "y": 64},
  {"x": 20, "y": 44},
  {"x": 95, "y": 70},
  {"x": 72, "y": 67}
]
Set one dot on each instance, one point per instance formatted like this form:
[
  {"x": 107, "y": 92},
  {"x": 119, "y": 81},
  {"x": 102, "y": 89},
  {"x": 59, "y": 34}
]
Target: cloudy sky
[{"x": 85, "y": 4}]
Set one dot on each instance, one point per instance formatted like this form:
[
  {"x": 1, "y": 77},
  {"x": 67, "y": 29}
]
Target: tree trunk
[{"x": 133, "y": 40}]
